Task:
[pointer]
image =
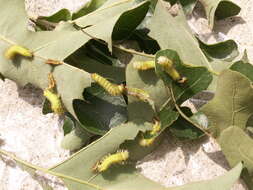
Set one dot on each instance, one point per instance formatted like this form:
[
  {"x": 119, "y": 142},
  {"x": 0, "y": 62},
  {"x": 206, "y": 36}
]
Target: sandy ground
[{"x": 36, "y": 138}]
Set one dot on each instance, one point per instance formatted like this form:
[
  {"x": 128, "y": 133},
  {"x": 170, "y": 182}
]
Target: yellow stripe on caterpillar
[
  {"x": 169, "y": 69},
  {"x": 113, "y": 89},
  {"x": 55, "y": 101},
  {"x": 53, "y": 62},
  {"x": 117, "y": 158},
  {"x": 144, "y": 65},
  {"x": 15, "y": 50}
]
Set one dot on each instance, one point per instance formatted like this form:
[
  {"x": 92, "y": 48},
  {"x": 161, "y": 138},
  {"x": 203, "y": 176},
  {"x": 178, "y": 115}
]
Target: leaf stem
[
  {"x": 10, "y": 155},
  {"x": 185, "y": 116}
]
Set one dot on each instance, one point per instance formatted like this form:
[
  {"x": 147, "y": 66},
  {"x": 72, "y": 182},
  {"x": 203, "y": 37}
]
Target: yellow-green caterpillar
[
  {"x": 144, "y": 65},
  {"x": 117, "y": 158},
  {"x": 14, "y": 50},
  {"x": 113, "y": 89},
  {"x": 168, "y": 67},
  {"x": 153, "y": 133},
  {"x": 54, "y": 99},
  {"x": 138, "y": 93}
]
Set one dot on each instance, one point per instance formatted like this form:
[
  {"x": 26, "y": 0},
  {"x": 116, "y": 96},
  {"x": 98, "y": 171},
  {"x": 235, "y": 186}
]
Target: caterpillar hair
[
  {"x": 15, "y": 50},
  {"x": 117, "y": 158},
  {"x": 113, "y": 89}
]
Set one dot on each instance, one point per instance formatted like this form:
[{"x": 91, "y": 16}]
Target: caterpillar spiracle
[
  {"x": 117, "y": 158},
  {"x": 15, "y": 50},
  {"x": 113, "y": 89},
  {"x": 169, "y": 68},
  {"x": 54, "y": 99},
  {"x": 144, "y": 65},
  {"x": 153, "y": 133}
]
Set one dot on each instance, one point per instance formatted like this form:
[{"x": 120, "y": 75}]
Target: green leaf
[
  {"x": 237, "y": 146},
  {"x": 100, "y": 111},
  {"x": 139, "y": 111},
  {"x": 137, "y": 152},
  {"x": 183, "y": 129},
  {"x": 75, "y": 139},
  {"x": 87, "y": 8},
  {"x": 129, "y": 20},
  {"x": 224, "y": 182},
  {"x": 232, "y": 104},
  {"x": 68, "y": 125},
  {"x": 226, "y": 50},
  {"x": 198, "y": 78},
  {"x": 121, "y": 176},
  {"x": 219, "y": 9},
  {"x": 111, "y": 13},
  {"x": 61, "y": 15},
  {"x": 83, "y": 60},
  {"x": 172, "y": 33},
  {"x": 244, "y": 68}
]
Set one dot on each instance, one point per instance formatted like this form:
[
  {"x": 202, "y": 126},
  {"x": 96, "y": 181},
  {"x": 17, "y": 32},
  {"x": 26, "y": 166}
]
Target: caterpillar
[
  {"x": 53, "y": 62},
  {"x": 138, "y": 93},
  {"x": 117, "y": 158},
  {"x": 14, "y": 50},
  {"x": 112, "y": 89},
  {"x": 168, "y": 67},
  {"x": 145, "y": 65},
  {"x": 153, "y": 133},
  {"x": 54, "y": 99}
]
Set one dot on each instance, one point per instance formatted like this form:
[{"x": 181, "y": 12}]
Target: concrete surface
[{"x": 36, "y": 138}]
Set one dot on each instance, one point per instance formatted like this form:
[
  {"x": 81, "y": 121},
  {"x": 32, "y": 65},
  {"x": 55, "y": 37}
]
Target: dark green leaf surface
[{"x": 100, "y": 111}]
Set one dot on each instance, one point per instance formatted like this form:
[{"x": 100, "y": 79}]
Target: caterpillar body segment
[
  {"x": 113, "y": 89},
  {"x": 54, "y": 99},
  {"x": 15, "y": 50},
  {"x": 153, "y": 133},
  {"x": 53, "y": 62},
  {"x": 169, "y": 68},
  {"x": 117, "y": 158},
  {"x": 145, "y": 65}
]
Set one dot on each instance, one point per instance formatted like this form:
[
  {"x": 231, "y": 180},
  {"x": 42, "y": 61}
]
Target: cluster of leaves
[{"x": 92, "y": 40}]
